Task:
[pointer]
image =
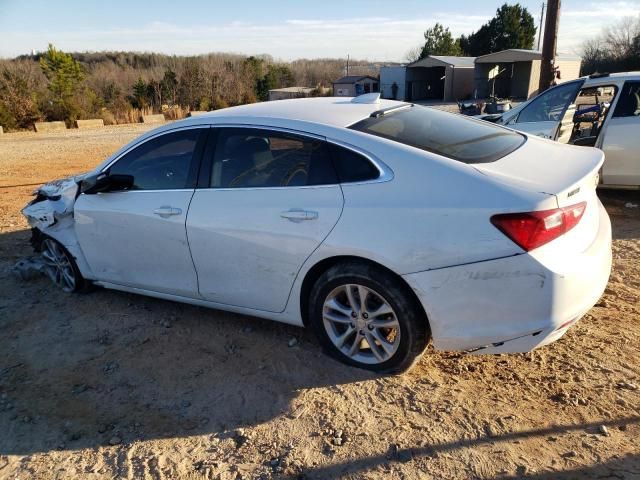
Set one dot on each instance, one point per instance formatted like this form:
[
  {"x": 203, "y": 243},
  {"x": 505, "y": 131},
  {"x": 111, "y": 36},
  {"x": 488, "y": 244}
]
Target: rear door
[
  {"x": 621, "y": 142},
  {"x": 268, "y": 199},
  {"x": 550, "y": 114}
]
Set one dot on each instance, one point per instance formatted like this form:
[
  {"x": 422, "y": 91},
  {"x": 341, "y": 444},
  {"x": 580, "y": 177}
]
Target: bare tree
[
  {"x": 619, "y": 37},
  {"x": 413, "y": 54}
]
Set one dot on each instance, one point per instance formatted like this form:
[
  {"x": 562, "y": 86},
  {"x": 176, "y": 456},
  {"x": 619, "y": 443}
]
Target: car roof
[
  {"x": 611, "y": 77},
  {"x": 331, "y": 111}
]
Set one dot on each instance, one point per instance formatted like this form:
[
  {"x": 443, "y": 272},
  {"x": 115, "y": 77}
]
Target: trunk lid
[{"x": 567, "y": 172}]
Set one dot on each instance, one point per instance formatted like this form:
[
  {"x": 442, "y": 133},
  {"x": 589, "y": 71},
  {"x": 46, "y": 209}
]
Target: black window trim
[
  {"x": 204, "y": 176},
  {"x": 196, "y": 159},
  {"x": 385, "y": 173}
]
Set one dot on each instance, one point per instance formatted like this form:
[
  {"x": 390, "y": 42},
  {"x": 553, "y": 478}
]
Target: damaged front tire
[{"x": 60, "y": 266}]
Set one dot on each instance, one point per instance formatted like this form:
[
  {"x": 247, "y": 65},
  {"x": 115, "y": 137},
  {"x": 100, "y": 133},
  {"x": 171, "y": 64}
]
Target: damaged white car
[{"x": 379, "y": 224}]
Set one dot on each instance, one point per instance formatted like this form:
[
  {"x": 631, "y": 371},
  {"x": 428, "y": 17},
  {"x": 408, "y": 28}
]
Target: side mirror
[
  {"x": 103, "y": 182},
  {"x": 585, "y": 141}
]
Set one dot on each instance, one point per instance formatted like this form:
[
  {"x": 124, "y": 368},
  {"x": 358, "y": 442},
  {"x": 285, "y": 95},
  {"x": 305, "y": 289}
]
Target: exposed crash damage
[
  {"x": 54, "y": 201},
  {"x": 50, "y": 216}
]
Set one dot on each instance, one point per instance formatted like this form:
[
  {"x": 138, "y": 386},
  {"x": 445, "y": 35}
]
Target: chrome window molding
[
  {"x": 292, "y": 131},
  {"x": 143, "y": 191},
  {"x": 386, "y": 174}
]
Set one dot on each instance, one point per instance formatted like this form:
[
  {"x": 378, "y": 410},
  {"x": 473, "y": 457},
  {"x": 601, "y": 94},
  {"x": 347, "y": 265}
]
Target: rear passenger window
[
  {"x": 249, "y": 157},
  {"x": 629, "y": 102},
  {"x": 353, "y": 167}
]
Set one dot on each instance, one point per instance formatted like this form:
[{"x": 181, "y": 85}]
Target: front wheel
[
  {"x": 60, "y": 266},
  {"x": 365, "y": 317}
]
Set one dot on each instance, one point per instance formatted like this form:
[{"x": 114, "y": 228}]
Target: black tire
[
  {"x": 81, "y": 285},
  {"x": 414, "y": 327}
]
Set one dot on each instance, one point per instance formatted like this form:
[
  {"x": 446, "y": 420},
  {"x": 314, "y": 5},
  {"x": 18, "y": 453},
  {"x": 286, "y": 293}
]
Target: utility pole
[
  {"x": 549, "y": 45},
  {"x": 347, "y": 65},
  {"x": 540, "y": 25}
]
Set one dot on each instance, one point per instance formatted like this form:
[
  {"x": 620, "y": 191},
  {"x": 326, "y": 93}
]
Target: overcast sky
[{"x": 370, "y": 29}]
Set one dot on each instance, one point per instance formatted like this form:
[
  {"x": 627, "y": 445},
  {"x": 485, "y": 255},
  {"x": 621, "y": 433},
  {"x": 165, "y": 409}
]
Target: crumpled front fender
[
  {"x": 53, "y": 201},
  {"x": 51, "y": 212}
]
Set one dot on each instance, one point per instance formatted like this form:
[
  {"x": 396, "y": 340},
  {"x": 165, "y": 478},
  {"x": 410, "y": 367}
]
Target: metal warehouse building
[
  {"x": 431, "y": 78},
  {"x": 440, "y": 78},
  {"x": 515, "y": 73}
]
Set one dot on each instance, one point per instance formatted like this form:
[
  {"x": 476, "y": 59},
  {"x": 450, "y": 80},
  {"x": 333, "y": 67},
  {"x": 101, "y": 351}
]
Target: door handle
[
  {"x": 166, "y": 212},
  {"x": 298, "y": 215}
]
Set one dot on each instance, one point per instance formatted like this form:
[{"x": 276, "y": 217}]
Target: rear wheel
[
  {"x": 365, "y": 317},
  {"x": 60, "y": 266}
]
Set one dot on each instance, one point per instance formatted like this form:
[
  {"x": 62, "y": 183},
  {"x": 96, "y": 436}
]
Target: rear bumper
[{"x": 514, "y": 304}]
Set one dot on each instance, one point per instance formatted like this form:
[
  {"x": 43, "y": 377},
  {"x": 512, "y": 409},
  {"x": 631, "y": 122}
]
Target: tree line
[
  {"x": 120, "y": 86},
  {"x": 615, "y": 49},
  {"x": 511, "y": 27}
]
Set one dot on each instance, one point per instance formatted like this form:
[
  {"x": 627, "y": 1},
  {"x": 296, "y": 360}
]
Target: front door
[
  {"x": 137, "y": 237},
  {"x": 271, "y": 198},
  {"x": 550, "y": 114},
  {"x": 620, "y": 141}
]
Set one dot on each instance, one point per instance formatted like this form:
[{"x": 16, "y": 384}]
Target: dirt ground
[{"x": 112, "y": 385}]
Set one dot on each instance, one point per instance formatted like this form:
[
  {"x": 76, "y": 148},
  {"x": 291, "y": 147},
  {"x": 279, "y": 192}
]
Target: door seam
[{"x": 314, "y": 251}]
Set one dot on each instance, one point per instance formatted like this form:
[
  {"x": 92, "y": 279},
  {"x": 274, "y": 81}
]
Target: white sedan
[{"x": 379, "y": 224}]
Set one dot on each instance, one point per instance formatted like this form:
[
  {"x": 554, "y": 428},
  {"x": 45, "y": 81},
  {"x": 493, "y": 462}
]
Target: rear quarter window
[
  {"x": 450, "y": 135},
  {"x": 353, "y": 167}
]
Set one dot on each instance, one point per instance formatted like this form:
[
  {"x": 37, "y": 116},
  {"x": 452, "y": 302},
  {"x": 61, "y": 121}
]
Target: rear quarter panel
[{"x": 434, "y": 213}]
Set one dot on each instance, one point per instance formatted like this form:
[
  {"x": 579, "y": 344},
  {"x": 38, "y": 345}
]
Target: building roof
[
  {"x": 293, "y": 89},
  {"x": 354, "y": 78},
  {"x": 518, "y": 55},
  {"x": 443, "y": 61}
]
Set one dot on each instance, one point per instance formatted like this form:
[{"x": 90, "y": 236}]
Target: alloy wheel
[
  {"x": 57, "y": 265},
  {"x": 361, "y": 323}
]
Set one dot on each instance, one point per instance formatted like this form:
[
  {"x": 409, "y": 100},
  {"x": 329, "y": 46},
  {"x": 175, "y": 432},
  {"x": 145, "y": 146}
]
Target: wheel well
[{"x": 322, "y": 266}]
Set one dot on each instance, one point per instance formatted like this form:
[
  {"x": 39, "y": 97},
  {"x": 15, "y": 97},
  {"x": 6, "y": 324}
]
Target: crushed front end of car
[
  {"x": 50, "y": 215},
  {"x": 53, "y": 202}
]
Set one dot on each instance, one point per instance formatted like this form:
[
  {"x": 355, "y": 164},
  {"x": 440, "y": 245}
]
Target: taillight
[{"x": 531, "y": 230}]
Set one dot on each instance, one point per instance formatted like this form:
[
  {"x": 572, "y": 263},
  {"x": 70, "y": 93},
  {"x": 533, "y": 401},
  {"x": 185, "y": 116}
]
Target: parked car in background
[
  {"x": 599, "y": 110},
  {"x": 379, "y": 224}
]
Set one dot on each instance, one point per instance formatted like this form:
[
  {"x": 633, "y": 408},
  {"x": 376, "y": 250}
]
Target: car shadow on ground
[
  {"x": 78, "y": 370},
  {"x": 618, "y": 467}
]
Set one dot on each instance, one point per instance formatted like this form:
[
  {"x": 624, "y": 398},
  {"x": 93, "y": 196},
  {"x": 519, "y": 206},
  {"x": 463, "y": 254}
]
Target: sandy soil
[{"x": 110, "y": 385}]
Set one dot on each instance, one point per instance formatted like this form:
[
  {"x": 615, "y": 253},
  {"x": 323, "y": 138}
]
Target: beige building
[
  {"x": 290, "y": 92},
  {"x": 515, "y": 73},
  {"x": 354, "y": 85}
]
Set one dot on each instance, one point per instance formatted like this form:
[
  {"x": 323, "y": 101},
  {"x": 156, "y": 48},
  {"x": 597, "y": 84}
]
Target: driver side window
[
  {"x": 550, "y": 105},
  {"x": 162, "y": 163}
]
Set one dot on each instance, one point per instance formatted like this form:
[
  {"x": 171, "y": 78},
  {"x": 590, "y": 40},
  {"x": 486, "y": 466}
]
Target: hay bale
[
  {"x": 91, "y": 123},
  {"x": 157, "y": 118},
  {"x": 195, "y": 113},
  {"x": 49, "y": 126}
]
